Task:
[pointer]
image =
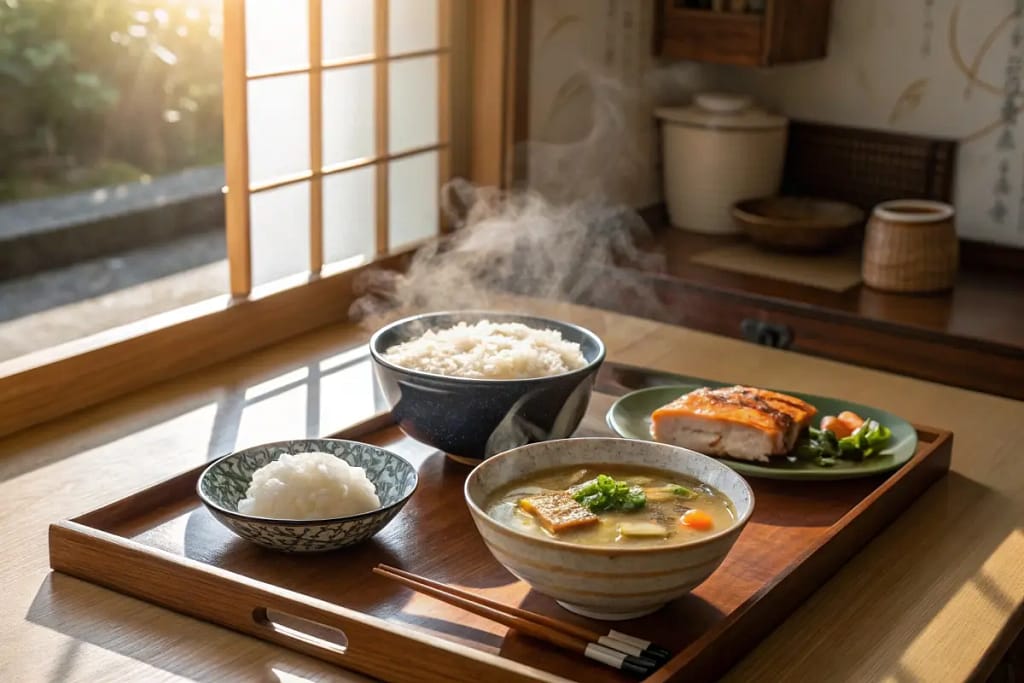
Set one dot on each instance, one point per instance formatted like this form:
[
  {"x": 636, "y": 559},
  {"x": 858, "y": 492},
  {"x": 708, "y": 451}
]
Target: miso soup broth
[{"x": 644, "y": 507}]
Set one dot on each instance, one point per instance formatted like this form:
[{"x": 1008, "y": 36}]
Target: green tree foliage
[{"x": 121, "y": 84}]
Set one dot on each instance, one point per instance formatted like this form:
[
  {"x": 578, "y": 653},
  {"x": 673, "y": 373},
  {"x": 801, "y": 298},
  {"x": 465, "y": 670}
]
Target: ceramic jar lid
[{"x": 722, "y": 111}]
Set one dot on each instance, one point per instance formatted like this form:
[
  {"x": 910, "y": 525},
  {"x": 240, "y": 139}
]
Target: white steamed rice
[
  {"x": 487, "y": 350},
  {"x": 309, "y": 486}
]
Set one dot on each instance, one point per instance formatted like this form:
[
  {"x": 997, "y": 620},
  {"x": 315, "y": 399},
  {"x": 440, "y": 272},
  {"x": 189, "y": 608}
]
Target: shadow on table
[{"x": 937, "y": 547}]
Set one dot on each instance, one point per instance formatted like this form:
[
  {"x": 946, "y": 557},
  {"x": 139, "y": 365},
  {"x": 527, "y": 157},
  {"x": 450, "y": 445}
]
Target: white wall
[
  {"x": 947, "y": 68},
  {"x": 590, "y": 115}
]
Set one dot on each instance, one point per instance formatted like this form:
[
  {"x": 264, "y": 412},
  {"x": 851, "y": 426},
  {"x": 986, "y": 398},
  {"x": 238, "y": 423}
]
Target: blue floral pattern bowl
[{"x": 224, "y": 483}]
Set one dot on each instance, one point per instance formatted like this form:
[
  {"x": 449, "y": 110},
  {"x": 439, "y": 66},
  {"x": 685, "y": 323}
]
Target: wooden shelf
[
  {"x": 972, "y": 337},
  {"x": 707, "y": 14},
  {"x": 787, "y": 31}
]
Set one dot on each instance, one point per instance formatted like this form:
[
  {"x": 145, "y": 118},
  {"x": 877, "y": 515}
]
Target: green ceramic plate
[{"x": 630, "y": 417}]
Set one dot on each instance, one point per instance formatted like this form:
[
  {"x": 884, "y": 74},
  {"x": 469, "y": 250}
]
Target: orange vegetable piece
[
  {"x": 836, "y": 426},
  {"x": 698, "y": 520},
  {"x": 851, "y": 419}
]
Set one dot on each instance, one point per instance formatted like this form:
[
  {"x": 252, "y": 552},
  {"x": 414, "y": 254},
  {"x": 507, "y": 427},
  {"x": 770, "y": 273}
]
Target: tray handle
[
  {"x": 287, "y": 626},
  {"x": 340, "y": 636},
  {"x": 300, "y": 624},
  {"x": 330, "y": 632}
]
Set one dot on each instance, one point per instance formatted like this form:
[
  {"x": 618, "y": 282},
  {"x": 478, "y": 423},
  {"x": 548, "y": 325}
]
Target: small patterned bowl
[{"x": 224, "y": 483}]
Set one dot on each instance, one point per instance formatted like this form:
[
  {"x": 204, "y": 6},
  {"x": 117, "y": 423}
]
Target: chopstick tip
[{"x": 658, "y": 653}]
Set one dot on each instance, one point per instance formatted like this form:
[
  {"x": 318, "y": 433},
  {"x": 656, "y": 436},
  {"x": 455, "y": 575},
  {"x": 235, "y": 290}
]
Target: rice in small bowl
[
  {"x": 454, "y": 379},
  {"x": 309, "y": 485},
  {"x": 307, "y": 495}
]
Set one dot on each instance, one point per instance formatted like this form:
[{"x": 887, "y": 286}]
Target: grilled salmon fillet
[{"x": 740, "y": 422}]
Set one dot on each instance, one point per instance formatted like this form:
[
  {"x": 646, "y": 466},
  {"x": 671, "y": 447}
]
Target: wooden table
[{"x": 937, "y": 597}]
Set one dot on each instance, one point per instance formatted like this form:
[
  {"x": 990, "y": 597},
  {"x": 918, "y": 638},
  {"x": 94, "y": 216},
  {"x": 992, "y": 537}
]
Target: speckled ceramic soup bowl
[
  {"x": 472, "y": 419},
  {"x": 606, "y": 582},
  {"x": 224, "y": 483}
]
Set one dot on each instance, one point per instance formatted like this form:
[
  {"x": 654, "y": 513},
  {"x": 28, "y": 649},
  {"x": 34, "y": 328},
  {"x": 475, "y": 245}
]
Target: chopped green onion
[
  {"x": 604, "y": 493},
  {"x": 683, "y": 492}
]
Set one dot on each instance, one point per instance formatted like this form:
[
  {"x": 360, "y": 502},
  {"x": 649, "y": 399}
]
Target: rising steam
[{"x": 562, "y": 244}]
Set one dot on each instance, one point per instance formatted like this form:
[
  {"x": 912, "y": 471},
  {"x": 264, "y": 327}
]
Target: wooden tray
[{"x": 161, "y": 545}]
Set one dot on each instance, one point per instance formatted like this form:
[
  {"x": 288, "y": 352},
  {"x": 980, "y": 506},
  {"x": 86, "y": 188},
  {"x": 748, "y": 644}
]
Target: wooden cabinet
[
  {"x": 774, "y": 32},
  {"x": 972, "y": 364},
  {"x": 972, "y": 337}
]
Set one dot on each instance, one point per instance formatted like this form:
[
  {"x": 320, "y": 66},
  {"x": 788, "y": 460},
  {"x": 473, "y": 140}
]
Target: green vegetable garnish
[
  {"x": 866, "y": 441},
  {"x": 682, "y": 491},
  {"x": 604, "y": 493},
  {"x": 821, "y": 446}
]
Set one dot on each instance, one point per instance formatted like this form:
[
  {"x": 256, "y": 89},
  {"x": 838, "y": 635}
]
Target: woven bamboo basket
[{"x": 911, "y": 246}]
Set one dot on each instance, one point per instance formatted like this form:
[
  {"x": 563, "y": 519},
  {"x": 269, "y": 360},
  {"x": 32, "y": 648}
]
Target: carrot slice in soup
[{"x": 697, "y": 520}]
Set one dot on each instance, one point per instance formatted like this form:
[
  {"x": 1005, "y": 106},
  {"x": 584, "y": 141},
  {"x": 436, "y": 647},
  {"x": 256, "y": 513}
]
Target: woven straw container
[{"x": 911, "y": 246}]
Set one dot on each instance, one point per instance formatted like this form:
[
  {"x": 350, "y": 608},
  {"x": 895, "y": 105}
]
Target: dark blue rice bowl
[{"x": 471, "y": 418}]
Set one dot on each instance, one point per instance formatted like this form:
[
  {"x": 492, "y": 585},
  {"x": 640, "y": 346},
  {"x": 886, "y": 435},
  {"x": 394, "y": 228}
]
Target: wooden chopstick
[
  {"x": 617, "y": 641},
  {"x": 637, "y": 666}
]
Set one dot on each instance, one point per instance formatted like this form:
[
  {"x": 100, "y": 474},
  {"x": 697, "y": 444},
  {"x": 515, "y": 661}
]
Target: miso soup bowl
[
  {"x": 473, "y": 419},
  {"x": 606, "y": 582}
]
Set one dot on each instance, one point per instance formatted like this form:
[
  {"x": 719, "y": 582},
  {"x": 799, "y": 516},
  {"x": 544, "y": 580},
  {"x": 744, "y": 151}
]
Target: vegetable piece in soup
[
  {"x": 557, "y": 511},
  {"x": 617, "y": 505}
]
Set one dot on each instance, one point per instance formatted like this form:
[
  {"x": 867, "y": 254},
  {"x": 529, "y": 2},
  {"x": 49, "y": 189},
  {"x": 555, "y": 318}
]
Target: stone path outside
[
  {"x": 56, "y": 306},
  {"x": 36, "y": 215}
]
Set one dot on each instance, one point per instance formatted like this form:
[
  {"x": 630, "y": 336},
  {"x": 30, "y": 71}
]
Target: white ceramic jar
[{"x": 717, "y": 151}]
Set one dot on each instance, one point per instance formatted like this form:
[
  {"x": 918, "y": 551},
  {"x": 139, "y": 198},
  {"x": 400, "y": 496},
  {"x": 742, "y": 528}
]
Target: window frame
[
  {"x": 237, "y": 78},
  {"x": 488, "y": 54}
]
